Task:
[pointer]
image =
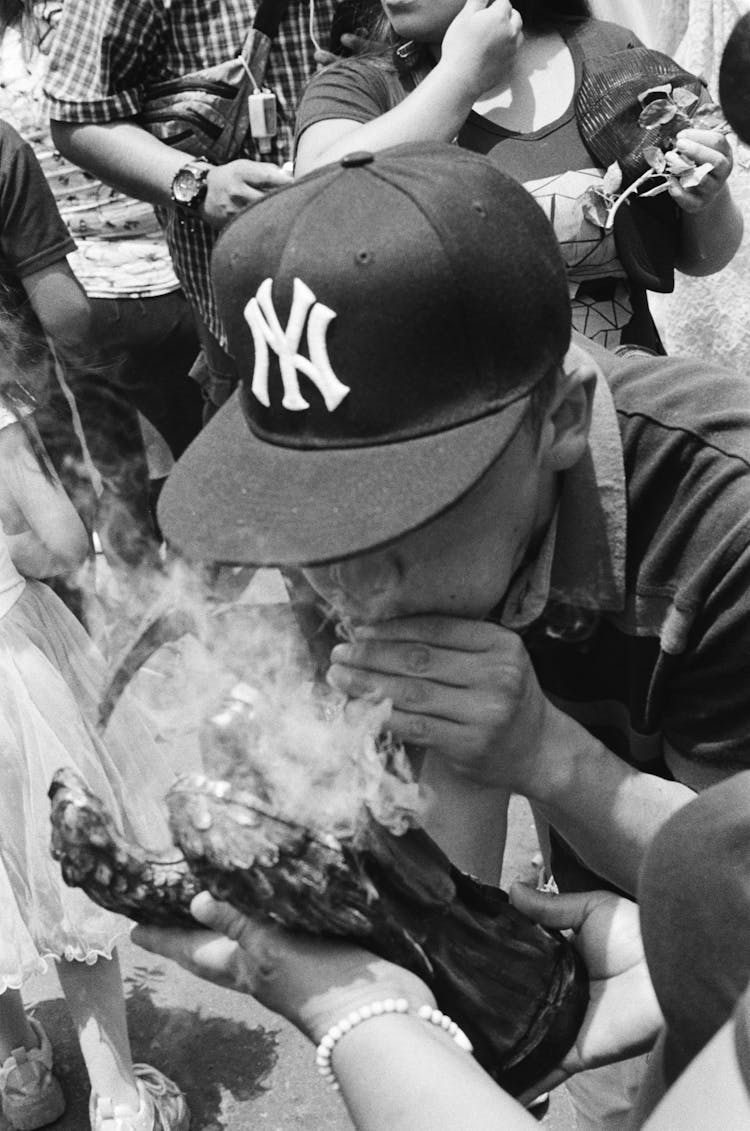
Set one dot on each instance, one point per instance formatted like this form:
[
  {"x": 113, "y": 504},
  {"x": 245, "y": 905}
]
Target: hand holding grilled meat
[{"x": 517, "y": 990}]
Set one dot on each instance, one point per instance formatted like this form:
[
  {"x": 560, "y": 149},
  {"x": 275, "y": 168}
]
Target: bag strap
[
  {"x": 268, "y": 17},
  {"x": 261, "y": 34}
]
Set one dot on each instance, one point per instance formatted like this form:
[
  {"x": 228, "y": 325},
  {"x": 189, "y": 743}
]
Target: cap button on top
[{"x": 353, "y": 160}]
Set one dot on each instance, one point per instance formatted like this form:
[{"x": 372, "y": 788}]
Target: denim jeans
[{"x": 156, "y": 343}]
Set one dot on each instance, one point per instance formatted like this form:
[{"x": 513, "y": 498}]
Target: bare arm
[
  {"x": 121, "y": 154},
  {"x": 712, "y": 224},
  {"x": 62, "y": 307},
  {"x": 435, "y": 111},
  {"x": 126, "y": 156},
  {"x": 396, "y": 1072},
  {"x": 710, "y": 238},
  {"x": 606, "y": 810},
  {"x": 477, "y": 51},
  {"x": 478, "y": 707},
  {"x": 397, "y": 1075},
  {"x": 47, "y": 536}
]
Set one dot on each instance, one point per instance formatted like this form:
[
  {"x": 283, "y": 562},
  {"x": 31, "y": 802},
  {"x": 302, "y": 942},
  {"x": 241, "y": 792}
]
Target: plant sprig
[{"x": 662, "y": 106}]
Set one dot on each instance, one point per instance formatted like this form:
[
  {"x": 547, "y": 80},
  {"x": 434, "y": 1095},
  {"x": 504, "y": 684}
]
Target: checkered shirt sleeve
[{"x": 107, "y": 54}]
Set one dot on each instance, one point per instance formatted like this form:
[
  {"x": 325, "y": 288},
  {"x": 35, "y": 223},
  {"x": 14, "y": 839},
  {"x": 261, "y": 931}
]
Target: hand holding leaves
[{"x": 690, "y": 158}]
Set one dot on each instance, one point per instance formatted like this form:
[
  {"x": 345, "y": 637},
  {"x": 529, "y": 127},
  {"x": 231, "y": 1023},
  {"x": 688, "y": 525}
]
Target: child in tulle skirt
[{"x": 51, "y": 676}]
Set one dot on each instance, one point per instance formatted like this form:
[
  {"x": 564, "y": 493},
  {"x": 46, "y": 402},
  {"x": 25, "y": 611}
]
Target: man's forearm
[
  {"x": 606, "y": 810},
  {"x": 123, "y": 155}
]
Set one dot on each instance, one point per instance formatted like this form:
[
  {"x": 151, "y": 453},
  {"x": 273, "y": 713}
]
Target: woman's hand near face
[{"x": 481, "y": 44}]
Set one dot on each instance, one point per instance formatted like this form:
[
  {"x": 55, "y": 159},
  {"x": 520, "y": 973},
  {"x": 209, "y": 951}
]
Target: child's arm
[
  {"x": 54, "y": 539},
  {"x": 63, "y": 309},
  {"x": 712, "y": 224}
]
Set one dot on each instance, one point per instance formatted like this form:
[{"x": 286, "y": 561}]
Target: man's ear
[{"x": 569, "y": 415}]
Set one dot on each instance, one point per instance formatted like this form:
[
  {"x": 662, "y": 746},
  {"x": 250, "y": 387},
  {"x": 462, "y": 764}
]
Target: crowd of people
[{"x": 347, "y": 290}]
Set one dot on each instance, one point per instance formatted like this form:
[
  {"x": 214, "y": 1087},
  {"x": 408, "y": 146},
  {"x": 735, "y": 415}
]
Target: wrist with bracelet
[{"x": 382, "y": 1008}]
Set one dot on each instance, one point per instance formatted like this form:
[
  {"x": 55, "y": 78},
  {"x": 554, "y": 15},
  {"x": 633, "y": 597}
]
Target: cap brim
[{"x": 235, "y": 498}]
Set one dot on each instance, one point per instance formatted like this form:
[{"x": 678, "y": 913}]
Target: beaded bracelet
[{"x": 324, "y": 1051}]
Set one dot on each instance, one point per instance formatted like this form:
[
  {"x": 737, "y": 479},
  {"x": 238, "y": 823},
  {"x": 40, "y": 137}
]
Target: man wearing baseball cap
[
  {"x": 541, "y": 554},
  {"x": 545, "y": 571}
]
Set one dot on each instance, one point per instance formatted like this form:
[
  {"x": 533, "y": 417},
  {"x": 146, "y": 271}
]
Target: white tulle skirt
[{"x": 51, "y": 675}]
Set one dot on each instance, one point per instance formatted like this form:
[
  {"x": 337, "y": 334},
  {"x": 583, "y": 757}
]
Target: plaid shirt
[{"x": 107, "y": 53}]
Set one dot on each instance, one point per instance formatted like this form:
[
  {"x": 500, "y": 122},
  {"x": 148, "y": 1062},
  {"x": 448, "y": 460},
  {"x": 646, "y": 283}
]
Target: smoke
[{"x": 236, "y": 695}]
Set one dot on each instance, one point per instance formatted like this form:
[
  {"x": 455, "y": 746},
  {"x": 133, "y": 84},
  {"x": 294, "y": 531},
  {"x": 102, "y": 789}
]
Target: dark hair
[
  {"x": 540, "y": 14},
  {"x": 13, "y": 12}
]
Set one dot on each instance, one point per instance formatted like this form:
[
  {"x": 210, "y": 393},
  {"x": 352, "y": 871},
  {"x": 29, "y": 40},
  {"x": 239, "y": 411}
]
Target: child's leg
[
  {"x": 15, "y": 1030},
  {"x": 96, "y": 1002}
]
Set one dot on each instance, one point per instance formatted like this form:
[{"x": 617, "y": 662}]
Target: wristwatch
[{"x": 189, "y": 184}]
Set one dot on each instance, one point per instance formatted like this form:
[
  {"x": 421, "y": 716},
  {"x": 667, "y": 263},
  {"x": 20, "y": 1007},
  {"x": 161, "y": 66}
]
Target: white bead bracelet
[{"x": 324, "y": 1051}]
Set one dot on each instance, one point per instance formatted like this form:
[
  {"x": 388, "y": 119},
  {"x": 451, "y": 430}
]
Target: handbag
[{"x": 205, "y": 113}]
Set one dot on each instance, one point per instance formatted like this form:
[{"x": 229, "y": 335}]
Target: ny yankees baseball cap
[{"x": 389, "y": 316}]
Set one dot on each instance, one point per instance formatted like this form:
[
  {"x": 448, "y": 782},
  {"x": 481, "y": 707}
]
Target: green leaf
[
  {"x": 595, "y": 206},
  {"x": 677, "y": 164},
  {"x": 695, "y": 176},
  {"x": 654, "y": 91},
  {"x": 657, "y": 113},
  {"x": 656, "y": 158},
  {"x": 612, "y": 179},
  {"x": 684, "y": 98}
]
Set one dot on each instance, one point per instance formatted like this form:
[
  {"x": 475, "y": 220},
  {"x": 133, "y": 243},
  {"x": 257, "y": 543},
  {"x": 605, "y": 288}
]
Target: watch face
[{"x": 185, "y": 186}]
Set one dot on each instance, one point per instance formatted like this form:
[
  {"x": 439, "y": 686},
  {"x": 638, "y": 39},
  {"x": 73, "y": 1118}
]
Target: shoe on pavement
[
  {"x": 163, "y": 1106},
  {"x": 31, "y": 1093}
]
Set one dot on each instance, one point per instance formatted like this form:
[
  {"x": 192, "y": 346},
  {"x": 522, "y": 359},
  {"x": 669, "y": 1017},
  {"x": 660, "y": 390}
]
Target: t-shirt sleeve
[
  {"x": 98, "y": 62},
  {"x": 357, "y": 89},
  {"x": 33, "y": 235},
  {"x": 685, "y": 425},
  {"x": 707, "y": 714}
]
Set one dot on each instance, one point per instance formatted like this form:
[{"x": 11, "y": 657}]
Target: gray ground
[{"x": 242, "y": 1068}]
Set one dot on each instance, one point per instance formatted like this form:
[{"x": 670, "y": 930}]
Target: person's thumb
[{"x": 563, "y": 912}]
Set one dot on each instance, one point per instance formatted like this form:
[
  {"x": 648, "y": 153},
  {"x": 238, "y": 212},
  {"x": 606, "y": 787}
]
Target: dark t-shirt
[
  {"x": 552, "y": 163},
  {"x": 695, "y": 915},
  {"x": 673, "y": 663},
  {"x": 32, "y": 233}
]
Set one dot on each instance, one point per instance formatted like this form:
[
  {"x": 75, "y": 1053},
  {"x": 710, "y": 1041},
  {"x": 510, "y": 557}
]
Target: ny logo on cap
[{"x": 263, "y": 321}]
